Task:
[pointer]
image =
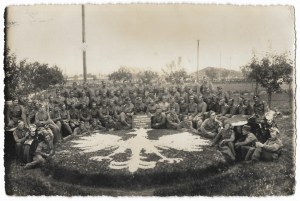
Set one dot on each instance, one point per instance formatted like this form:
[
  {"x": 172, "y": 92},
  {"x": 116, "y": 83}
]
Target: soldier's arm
[
  {"x": 202, "y": 128},
  {"x": 249, "y": 139},
  {"x": 273, "y": 147}
]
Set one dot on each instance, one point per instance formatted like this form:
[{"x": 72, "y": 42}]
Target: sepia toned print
[{"x": 149, "y": 100}]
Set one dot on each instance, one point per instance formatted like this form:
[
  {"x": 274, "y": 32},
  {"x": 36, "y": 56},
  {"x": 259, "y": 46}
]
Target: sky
[{"x": 148, "y": 36}]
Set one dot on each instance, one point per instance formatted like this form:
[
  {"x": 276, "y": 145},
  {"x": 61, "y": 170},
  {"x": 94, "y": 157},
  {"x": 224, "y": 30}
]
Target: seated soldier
[
  {"x": 211, "y": 103},
  {"x": 201, "y": 110},
  {"x": 225, "y": 140},
  {"x": 16, "y": 113},
  {"x": 65, "y": 120},
  {"x": 260, "y": 107},
  {"x": 74, "y": 116},
  {"x": 164, "y": 105},
  {"x": 94, "y": 111},
  {"x": 58, "y": 99},
  {"x": 232, "y": 109},
  {"x": 104, "y": 113},
  {"x": 126, "y": 114},
  {"x": 42, "y": 119},
  {"x": 151, "y": 108},
  {"x": 55, "y": 116},
  {"x": 31, "y": 110},
  {"x": 21, "y": 133},
  {"x": 159, "y": 119},
  {"x": 172, "y": 119},
  {"x": 175, "y": 105},
  {"x": 81, "y": 130},
  {"x": 84, "y": 113},
  {"x": 248, "y": 108},
  {"x": 96, "y": 126},
  {"x": 270, "y": 150},
  {"x": 210, "y": 127},
  {"x": 43, "y": 151},
  {"x": 139, "y": 106},
  {"x": 241, "y": 107},
  {"x": 246, "y": 143},
  {"x": 183, "y": 107},
  {"x": 187, "y": 125},
  {"x": 192, "y": 108}
]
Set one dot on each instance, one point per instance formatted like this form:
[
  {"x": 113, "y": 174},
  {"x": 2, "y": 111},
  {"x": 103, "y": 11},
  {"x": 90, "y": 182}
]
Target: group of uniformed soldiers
[{"x": 111, "y": 106}]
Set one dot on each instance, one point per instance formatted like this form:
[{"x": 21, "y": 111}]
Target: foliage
[
  {"x": 174, "y": 71},
  {"x": 121, "y": 74},
  {"x": 211, "y": 73},
  {"x": 270, "y": 72},
  {"x": 147, "y": 76},
  {"x": 22, "y": 78}
]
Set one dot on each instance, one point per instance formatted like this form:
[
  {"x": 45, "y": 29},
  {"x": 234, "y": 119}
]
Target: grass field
[{"x": 243, "y": 179}]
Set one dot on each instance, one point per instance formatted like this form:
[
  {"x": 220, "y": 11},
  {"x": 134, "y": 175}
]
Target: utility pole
[
  {"x": 198, "y": 61},
  {"x": 83, "y": 42}
]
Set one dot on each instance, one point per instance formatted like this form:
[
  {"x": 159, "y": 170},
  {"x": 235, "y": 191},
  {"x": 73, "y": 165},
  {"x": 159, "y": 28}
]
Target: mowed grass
[{"x": 248, "y": 179}]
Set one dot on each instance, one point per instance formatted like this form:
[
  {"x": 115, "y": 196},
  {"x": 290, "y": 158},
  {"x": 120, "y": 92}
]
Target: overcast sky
[{"x": 148, "y": 36}]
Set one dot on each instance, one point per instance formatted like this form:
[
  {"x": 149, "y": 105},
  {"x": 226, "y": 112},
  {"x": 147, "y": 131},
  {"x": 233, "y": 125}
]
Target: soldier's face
[
  {"x": 21, "y": 125},
  {"x": 16, "y": 102}
]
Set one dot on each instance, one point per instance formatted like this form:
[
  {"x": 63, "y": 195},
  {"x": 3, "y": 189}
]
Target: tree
[
  {"x": 211, "y": 73},
  {"x": 270, "y": 72},
  {"x": 23, "y": 78},
  {"x": 121, "y": 74},
  {"x": 11, "y": 79},
  {"x": 147, "y": 76}
]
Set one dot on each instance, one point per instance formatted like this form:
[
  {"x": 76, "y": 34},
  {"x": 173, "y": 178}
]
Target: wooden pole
[
  {"x": 83, "y": 42},
  {"x": 198, "y": 61}
]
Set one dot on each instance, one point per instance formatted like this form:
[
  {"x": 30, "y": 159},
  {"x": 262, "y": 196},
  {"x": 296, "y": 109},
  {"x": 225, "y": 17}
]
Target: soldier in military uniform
[
  {"x": 126, "y": 114},
  {"x": 65, "y": 120},
  {"x": 74, "y": 116},
  {"x": 172, "y": 119},
  {"x": 42, "y": 119},
  {"x": 260, "y": 107},
  {"x": 139, "y": 106},
  {"x": 159, "y": 119},
  {"x": 43, "y": 151},
  {"x": 21, "y": 133},
  {"x": 201, "y": 110},
  {"x": 16, "y": 113},
  {"x": 210, "y": 127},
  {"x": 183, "y": 107},
  {"x": 192, "y": 108}
]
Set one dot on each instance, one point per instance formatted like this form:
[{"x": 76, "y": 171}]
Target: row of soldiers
[
  {"x": 83, "y": 109},
  {"x": 105, "y": 108}
]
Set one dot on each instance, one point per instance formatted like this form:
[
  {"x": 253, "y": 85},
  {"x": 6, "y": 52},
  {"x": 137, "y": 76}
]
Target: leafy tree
[
  {"x": 23, "y": 78},
  {"x": 121, "y": 74},
  {"x": 147, "y": 76},
  {"x": 270, "y": 72},
  {"x": 11, "y": 79},
  {"x": 211, "y": 73}
]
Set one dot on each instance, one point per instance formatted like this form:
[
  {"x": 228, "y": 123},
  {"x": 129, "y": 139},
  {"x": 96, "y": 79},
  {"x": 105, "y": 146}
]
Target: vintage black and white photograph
[{"x": 149, "y": 100}]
